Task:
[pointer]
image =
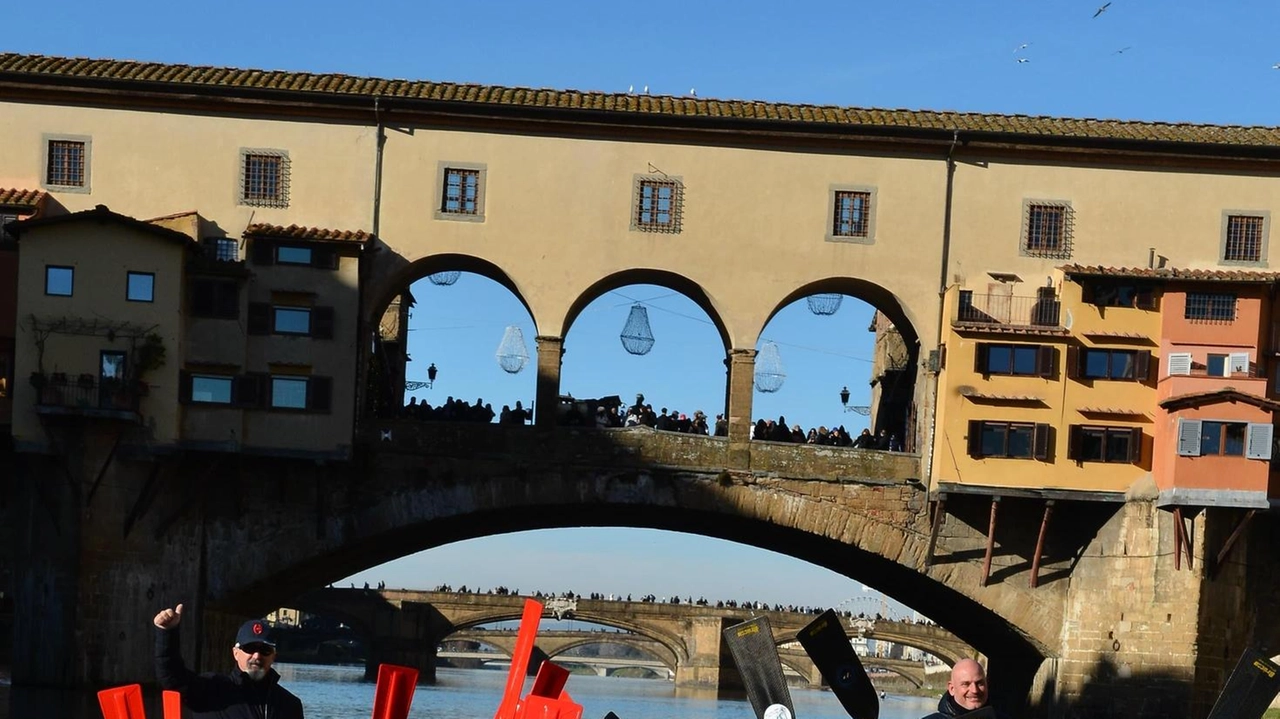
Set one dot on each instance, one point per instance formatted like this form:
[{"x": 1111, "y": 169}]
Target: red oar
[
  {"x": 394, "y": 694},
  {"x": 122, "y": 702},
  {"x": 520, "y": 659},
  {"x": 172, "y": 704}
]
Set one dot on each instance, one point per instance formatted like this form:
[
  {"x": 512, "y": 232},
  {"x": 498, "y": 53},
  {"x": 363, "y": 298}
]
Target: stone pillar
[
  {"x": 742, "y": 371},
  {"x": 550, "y": 355},
  {"x": 700, "y": 671},
  {"x": 405, "y": 653}
]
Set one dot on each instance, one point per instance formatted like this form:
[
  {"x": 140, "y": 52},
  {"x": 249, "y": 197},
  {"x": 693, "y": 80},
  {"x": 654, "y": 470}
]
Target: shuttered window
[
  {"x": 1017, "y": 360},
  {"x": 1179, "y": 363},
  {"x": 1012, "y": 440},
  {"x": 1104, "y": 444},
  {"x": 1235, "y": 439}
]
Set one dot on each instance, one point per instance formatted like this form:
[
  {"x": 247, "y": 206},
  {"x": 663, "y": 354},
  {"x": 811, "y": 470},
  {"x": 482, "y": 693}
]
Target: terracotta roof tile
[
  {"x": 21, "y": 198},
  {"x": 298, "y": 232},
  {"x": 31, "y": 68},
  {"x": 1227, "y": 394},
  {"x": 1171, "y": 273}
]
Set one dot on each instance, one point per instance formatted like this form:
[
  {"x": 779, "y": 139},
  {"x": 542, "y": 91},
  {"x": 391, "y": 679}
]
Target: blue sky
[{"x": 1173, "y": 60}]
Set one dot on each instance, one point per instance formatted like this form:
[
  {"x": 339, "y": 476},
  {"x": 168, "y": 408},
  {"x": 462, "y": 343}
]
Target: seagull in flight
[
  {"x": 1276, "y": 66},
  {"x": 1102, "y": 9},
  {"x": 1122, "y": 50},
  {"x": 1021, "y": 47},
  {"x": 1023, "y": 59}
]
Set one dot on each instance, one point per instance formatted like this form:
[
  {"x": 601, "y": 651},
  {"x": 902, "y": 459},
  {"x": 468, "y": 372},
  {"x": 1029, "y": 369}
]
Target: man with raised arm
[
  {"x": 250, "y": 691},
  {"x": 966, "y": 691}
]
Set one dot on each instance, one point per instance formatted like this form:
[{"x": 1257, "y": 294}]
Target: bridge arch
[
  {"x": 400, "y": 279},
  {"x": 873, "y": 294},
  {"x": 672, "y": 644},
  {"x": 649, "y": 276}
]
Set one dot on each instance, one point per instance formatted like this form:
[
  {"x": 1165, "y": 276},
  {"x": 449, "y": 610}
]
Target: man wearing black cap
[{"x": 251, "y": 691}]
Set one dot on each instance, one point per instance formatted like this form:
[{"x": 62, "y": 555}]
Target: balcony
[
  {"x": 1007, "y": 313},
  {"x": 86, "y": 397}
]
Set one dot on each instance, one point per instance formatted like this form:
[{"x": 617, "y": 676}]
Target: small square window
[
  {"x": 226, "y": 249},
  {"x": 141, "y": 287},
  {"x": 461, "y": 188},
  {"x": 66, "y": 163},
  {"x": 289, "y": 392},
  {"x": 1216, "y": 366},
  {"x": 659, "y": 204},
  {"x": 264, "y": 178},
  {"x": 59, "y": 281},
  {"x": 292, "y": 320},
  {"x": 852, "y": 214},
  {"x": 209, "y": 389},
  {"x": 1244, "y": 237},
  {"x": 1047, "y": 228},
  {"x": 286, "y": 255}
]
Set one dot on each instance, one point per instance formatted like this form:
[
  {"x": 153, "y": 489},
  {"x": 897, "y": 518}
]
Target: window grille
[
  {"x": 1206, "y": 307},
  {"x": 461, "y": 194},
  {"x": 226, "y": 250},
  {"x": 66, "y": 164},
  {"x": 1244, "y": 239},
  {"x": 264, "y": 178},
  {"x": 659, "y": 205},
  {"x": 852, "y": 214},
  {"x": 1047, "y": 229}
]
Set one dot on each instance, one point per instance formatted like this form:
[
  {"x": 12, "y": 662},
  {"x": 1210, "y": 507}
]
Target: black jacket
[
  {"x": 222, "y": 696},
  {"x": 949, "y": 709}
]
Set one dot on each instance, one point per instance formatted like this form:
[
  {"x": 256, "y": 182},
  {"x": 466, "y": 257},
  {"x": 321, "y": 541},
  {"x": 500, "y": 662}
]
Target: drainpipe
[
  {"x": 364, "y": 269},
  {"x": 942, "y": 290}
]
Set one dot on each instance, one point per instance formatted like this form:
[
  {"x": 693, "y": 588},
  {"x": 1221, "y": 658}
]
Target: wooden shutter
[
  {"x": 1073, "y": 361},
  {"x": 319, "y": 393},
  {"x": 1258, "y": 441},
  {"x": 1145, "y": 299},
  {"x": 1141, "y": 365},
  {"x": 322, "y": 323},
  {"x": 1237, "y": 363},
  {"x": 1045, "y": 359},
  {"x": 259, "y": 318},
  {"x": 1135, "y": 444},
  {"x": 249, "y": 390},
  {"x": 184, "y": 386},
  {"x": 1073, "y": 441},
  {"x": 1188, "y": 437},
  {"x": 980, "y": 353},
  {"x": 1043, "y": 436},
  {"x": 1180, "y": 363},
  {"x": 975, "y": 438}
]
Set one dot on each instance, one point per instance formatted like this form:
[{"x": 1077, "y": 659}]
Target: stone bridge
[{"x": 404, "y": 627}]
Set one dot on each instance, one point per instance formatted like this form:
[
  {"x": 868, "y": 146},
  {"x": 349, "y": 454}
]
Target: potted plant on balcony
[{"x": 147, "y": 356}]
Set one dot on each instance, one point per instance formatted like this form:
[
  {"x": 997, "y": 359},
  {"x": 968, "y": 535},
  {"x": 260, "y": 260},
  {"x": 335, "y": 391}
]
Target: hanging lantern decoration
[
  {"x": 637, "y": 337},
  {"x": 444, "y": 278},
  {"x": 824, "y": 304},
  {"x": 770, "y": 374},
  {"x": 512, "y": 354}
]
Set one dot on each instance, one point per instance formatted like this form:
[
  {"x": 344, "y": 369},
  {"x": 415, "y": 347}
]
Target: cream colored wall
[{"x": 102, "y": 255}]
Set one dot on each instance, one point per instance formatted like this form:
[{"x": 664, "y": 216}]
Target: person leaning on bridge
[
  {"x": 250, "y": 691},
  {"x": 966, "y": 691}
]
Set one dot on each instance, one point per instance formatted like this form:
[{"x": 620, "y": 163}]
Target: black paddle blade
[
  {"x": 610, "y": 715},
  {"x": 1249, "y": 690},
  {"x": 753, "y": 650},
  {"x": 826, "y": 643}
]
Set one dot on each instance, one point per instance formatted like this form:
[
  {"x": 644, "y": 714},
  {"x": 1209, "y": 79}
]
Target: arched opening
[
  {"x": 837, "y": 364},
  {"x": 454, "y": 343}
]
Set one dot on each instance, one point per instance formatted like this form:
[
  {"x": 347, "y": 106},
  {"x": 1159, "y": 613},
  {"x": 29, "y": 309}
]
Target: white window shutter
[
  {"x": 1238, "y": 362},
  {"x": 1259, "y": 441},
  {"x": 1188, "y": 437},
  {"x": 1180, "y": 363}
]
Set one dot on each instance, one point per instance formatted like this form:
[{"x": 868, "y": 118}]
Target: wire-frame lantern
[
  {"x": 637, "y": 336},
  {"x": 824, "y": 304},
  {"x": 770, "y": 374},
  {"x": 444, "y": 278},
  {"x": 512, "y": 354}
]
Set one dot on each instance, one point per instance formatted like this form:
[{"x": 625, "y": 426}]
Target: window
[
  {"x": 1104, "y": 444},
  {"x": 1244, "y": 237},
  {"x": 1179, "y": 363},
  {"x": 59, "y": 281},
  {"x": 291, "y": 320},
  {"x": 1107, "y": 294},
  {"x": 1198, "y": 438},
  {"x": 462, "y": 189},
  {"x": 226, "y": 249},
  {"x": 1100, "y": 363},
  {"x": 1018, "y": 360},
  {"x": 1013, "y": 440},
  {"x": 1208, "y": 307},
  {"x": 1216, "y": 366},
  {"x": 1046, "y": 228},
  {"x": 852, "y": 215},
  {"x": 287, "y": 255},
  {"x": 264, "y": 178},
  {"x": 210, "y": 389},
  {"x": 5, "y": 234},
  {"x": 306, "y": 393},
  {"x": 66, "y": 163},
  {"x": 141, "y": 287},
  {"x": 214, "y": 299},
  {"x": 658, "y": 204}
]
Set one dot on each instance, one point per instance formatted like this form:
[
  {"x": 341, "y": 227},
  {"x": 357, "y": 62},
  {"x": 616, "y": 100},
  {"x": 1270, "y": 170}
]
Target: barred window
[
  {"x": 852, "y": 214},
  {"x": 1244, "y": 236},
  {"x": 658, "y": 205},
  {"x": 226, "y": 249},
  {"x": 65, "y": 166},
  {"x": 461, "y": 191},
  {"x": 1047, "y": 228},
  {"x": 1208, "y": 307},
  {"x": 264, "y": 178}
]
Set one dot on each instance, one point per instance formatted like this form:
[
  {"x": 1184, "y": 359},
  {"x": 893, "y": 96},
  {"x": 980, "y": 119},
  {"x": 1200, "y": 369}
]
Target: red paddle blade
[
  {"x": 122, "y": 702},
  {"x": 536, "y": 707},
  {"x": 172, "y": 704},
  {"x": 520, "y": 659},
  {"x": 550, "y": 681},
  {"x": 394, "y": 694}
]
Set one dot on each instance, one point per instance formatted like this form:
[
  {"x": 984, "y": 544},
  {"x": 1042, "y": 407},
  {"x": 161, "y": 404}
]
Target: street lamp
[
  {"x": 431, "y": 375},
  {"x": 844, "y": 398},
  {"x": 863, "y": 410}
]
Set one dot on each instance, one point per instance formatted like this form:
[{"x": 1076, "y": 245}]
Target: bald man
[{"x": 966, "y": 691}]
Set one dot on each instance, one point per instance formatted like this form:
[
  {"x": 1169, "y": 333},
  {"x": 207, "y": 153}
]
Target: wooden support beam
[
  {"x": 1231, "y": 542},
  {"x": 1178, "y": 538},
  {"x": 939, "y": 514},
  {"x": 991, "y": 541},
  {"x": 1035, "y": 561}
]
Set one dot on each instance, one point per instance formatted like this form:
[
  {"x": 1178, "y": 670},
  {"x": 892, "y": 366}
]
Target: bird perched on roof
[
  {"x": 631, "y": 89},
  {"x": 693, "y": 92},
  {"x": 1102, "y": 9}
]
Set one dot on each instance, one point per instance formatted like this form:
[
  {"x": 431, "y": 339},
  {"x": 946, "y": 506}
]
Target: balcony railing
[
  {"x": 1008, "y": 311},
  {"x": 86, "y": 395}
]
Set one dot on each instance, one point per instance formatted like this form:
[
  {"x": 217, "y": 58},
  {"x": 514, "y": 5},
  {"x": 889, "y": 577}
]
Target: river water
[{"x": 339, "y": 693}]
